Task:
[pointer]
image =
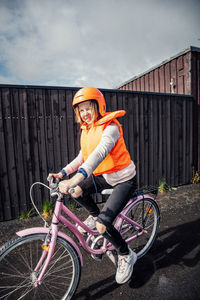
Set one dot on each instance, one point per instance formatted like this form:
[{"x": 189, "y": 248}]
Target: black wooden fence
[{"x": 38, "y": 134}]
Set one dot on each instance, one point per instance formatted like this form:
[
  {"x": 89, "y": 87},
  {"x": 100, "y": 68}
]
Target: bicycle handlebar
[{"x": 53, "y": 182}]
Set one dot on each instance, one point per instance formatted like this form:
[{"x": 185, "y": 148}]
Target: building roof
[{"x": 189, "y": 49}]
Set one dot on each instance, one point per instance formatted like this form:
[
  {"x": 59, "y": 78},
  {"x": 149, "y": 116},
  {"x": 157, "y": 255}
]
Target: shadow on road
[
  {"x": 175, "y": 246},
  {"x": 178, "y": 245},
  {"x": 98, "y": 290}
]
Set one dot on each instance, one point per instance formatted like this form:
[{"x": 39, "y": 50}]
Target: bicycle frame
[
  {"x": 122, "y": 216},
  {"x": 49, "y": 244}
]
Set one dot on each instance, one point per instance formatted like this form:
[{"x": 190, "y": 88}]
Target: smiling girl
[{"x": 102, "y": 163}]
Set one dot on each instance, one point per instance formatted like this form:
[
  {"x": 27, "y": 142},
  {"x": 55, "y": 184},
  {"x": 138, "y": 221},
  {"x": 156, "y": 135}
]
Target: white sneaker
[
  {"x": 125, "y": 267},
  {"x": 89, "y": 222}
]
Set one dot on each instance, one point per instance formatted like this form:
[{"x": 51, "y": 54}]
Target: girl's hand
[{"x": 64, "y": 186}]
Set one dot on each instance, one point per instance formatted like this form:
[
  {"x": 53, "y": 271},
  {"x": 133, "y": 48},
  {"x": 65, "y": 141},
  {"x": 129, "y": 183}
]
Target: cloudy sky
[{"x": 98, "y": 43}]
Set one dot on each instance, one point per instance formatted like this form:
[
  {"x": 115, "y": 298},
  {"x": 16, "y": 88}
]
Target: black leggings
[{"x": 113, "y": 206}]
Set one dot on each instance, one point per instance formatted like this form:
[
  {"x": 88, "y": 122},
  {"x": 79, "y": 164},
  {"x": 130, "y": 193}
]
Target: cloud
[{"x": 91, "y": 42}]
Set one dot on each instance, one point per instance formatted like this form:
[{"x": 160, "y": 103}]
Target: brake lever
[
  {"x": 53, "y": 185},
  {"x": 53, "y": 182}
]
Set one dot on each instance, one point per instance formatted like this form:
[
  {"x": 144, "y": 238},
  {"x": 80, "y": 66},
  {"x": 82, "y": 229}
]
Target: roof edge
[{"x": 190, "y": 48}]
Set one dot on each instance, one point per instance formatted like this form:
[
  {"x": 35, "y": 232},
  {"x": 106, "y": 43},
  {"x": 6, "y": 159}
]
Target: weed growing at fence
[
  {"x": 26, "y": 215},
  {"x": 195, "y": 176},
  {"x": 47, "y": 209},
  {"x": 163, "y": 186}
]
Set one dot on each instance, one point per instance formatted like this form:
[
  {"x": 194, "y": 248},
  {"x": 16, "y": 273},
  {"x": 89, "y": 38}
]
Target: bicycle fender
[
  {"x": 131, "y": 201},
  {"x": 34, "y": 230}
]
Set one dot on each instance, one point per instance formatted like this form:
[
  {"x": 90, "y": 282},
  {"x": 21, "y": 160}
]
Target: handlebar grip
[{"x": 71, "y": 190}]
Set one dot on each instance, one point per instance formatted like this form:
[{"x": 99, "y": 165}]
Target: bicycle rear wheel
[
  {"x": 19, "y": 257},
  {"x": 146, "y": 213}
]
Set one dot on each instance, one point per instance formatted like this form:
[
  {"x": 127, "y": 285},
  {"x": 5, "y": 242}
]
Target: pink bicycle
[{"x": 45, "y": 263}]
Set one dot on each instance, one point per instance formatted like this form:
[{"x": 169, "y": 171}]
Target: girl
[{"x": 102, "y": 163}]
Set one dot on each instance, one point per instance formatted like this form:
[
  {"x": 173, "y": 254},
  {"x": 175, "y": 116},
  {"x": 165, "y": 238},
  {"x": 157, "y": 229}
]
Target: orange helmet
[{"x": 90, "y": 93}]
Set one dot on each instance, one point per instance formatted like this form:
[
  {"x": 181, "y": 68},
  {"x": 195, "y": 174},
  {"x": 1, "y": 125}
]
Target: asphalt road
[{"x": 170, "y": 271}]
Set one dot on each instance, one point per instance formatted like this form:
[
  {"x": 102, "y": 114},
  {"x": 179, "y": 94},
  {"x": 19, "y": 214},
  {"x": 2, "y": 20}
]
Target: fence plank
[
  {"x": 10, "y": 140},
  {"x": 18, "y": 148},
  {"x": 5, "y": 213}
]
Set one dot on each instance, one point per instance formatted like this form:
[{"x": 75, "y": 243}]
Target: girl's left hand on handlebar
[{"x": 64, "y": 186}]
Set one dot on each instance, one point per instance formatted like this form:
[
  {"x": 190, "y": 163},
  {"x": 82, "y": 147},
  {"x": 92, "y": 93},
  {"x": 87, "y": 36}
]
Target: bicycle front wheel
[
  {"x": 19, "y": 257},
  {"x": 144, "y": 212}
]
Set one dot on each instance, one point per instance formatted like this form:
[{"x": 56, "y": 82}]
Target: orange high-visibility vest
[{"x": 118, "y": 158}]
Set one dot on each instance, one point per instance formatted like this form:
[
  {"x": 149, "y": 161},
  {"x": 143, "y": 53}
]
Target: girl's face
[{"x": 86, "y": 112}]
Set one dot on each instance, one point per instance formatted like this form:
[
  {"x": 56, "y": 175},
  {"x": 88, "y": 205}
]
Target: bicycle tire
[
  {"x": 146, "y": 213},
  {"x": 18, "y": 258}
]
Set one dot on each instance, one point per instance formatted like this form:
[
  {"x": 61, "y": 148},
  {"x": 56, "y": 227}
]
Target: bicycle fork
[{"x": 48, "y": 247}]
